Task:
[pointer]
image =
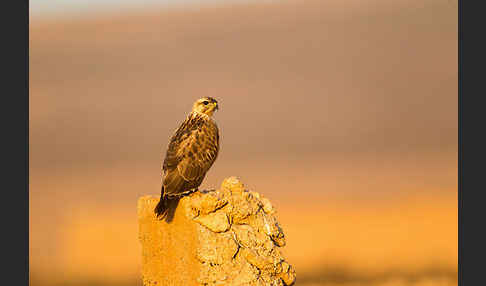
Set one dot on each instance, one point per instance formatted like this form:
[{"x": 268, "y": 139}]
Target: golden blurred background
[{"x": 342, "y": 113}]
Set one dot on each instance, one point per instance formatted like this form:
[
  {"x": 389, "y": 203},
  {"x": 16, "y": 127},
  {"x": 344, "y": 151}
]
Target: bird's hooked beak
[{"x": 216, "y": 106}]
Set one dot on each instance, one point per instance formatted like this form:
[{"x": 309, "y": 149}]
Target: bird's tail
[{"x": 162, "y": 208}]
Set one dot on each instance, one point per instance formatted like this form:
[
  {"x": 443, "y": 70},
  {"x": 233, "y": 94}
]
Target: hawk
[{"x": 191, "y": 152}]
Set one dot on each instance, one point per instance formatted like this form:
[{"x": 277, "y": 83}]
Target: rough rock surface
[{"x": 228, "y": 236}]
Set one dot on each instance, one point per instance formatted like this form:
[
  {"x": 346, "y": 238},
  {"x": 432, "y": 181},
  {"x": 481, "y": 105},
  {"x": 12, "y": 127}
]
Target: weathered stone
[
  {"x": 167, "y": 249},
  {"x": 288, "y": 277},
  {"x": 215, "y": 248},
  {"x": 267, "y": 206},
  {"x": 241, "y": 211},
  {"x": 260, "y": 262},
  {"x": 245, "y": 235},
  {"x": 233, "y": 184},
  {"x": 219, "y": 237},
  {"x": 217, "y": 221},
  {"x": 247, "y": 276},
  {"x": 208, "y": 202}
]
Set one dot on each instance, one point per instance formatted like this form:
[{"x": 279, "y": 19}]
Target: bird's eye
[{"x": 205, "y": 102}]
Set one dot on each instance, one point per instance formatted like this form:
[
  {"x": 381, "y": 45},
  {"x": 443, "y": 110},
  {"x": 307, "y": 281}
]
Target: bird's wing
[
  {"x": 172, "y": 156},
  {"x": 172, "y": 181},
  {"x": 191, "y": 152}
]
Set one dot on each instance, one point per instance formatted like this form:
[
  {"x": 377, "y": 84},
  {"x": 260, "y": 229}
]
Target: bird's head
[{"x": 205, "y": 105}]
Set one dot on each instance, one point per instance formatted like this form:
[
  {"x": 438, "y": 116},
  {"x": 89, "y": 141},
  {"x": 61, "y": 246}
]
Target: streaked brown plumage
[{"x": 191, "y": 152}]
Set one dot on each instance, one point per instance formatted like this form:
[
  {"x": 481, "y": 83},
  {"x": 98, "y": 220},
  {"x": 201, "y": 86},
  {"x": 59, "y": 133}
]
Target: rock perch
[{"x": 228, "y": 236}]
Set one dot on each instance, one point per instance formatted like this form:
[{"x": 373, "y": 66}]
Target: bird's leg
[{"x": 190, "y": 191}]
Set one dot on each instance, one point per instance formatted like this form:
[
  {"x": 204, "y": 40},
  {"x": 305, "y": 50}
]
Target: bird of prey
[{"x": 191, "y": 152}]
